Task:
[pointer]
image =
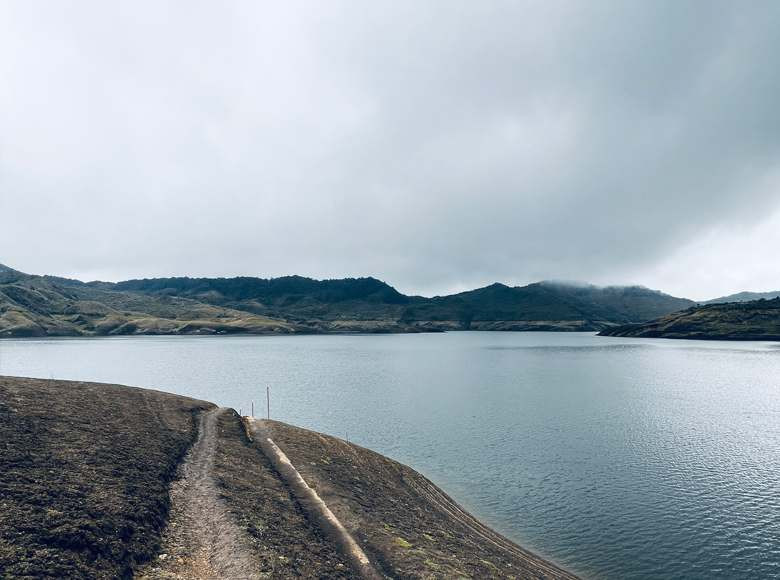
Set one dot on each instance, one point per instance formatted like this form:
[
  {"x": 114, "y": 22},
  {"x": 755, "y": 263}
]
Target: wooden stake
[
  {"x": 253, "y": 408},
  {"x": 268, "y": 402}
]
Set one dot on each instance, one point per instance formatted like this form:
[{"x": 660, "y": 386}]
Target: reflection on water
[{"x": 618, "y": 458}]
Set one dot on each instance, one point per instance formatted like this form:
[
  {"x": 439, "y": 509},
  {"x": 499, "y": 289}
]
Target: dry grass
[
  {"x": 84, "y": 474},
  {"x": 284, "y": 543},
  {"x": 406, "y": 525}
]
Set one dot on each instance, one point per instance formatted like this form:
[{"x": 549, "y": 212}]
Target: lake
[{"x": 616, "y": 458}]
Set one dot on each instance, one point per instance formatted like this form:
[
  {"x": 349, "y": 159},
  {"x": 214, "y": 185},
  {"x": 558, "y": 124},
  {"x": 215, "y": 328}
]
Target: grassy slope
[
  {"x": 367, "y": 304},
  {"x": 49, "y": 306},
  {"x": 84, "y": 470},
  {"x": 41, "y": 306},
  {"x": 758, "y": 320}
]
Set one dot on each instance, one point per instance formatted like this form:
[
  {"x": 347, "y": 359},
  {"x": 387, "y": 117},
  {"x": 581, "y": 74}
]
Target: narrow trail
[{"x": 201, "y": 539}]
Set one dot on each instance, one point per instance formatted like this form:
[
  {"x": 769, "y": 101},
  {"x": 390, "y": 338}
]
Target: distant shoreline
[
  {"x": 368, "y": 332},
  {"x": 33, "y": 305},
  {"x": 757, "y": 320}
]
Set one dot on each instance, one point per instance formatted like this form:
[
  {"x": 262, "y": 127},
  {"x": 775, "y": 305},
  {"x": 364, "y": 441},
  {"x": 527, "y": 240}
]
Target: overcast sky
[{"x": 436, "y": 145}]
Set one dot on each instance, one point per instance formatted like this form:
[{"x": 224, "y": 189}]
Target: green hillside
[
  {"x": 757, "y": 320},
  {"x": 582, "y": 307},
  {"x": 50, "y": 306},
  {"x": 45, "y": 306}
]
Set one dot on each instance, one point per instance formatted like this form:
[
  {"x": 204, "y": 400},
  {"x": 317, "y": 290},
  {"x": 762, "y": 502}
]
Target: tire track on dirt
[{"x": 201, "y": 540}]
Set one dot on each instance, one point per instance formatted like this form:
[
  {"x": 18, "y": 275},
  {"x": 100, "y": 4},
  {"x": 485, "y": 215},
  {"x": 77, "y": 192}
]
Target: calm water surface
[{"x": 617, "y": 458}]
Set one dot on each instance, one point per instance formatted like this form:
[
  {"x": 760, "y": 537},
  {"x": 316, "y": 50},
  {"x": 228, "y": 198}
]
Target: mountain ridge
[
  {"x": 33, "y": 305},
  {"x": 743, "y": 297}
]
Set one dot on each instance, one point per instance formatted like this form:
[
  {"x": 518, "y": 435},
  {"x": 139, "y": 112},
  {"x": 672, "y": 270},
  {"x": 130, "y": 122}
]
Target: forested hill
[
  {"x": 268, "y": 290},
  {"x": 45, "y": 305},
  {"x": 580, "y": 307}
]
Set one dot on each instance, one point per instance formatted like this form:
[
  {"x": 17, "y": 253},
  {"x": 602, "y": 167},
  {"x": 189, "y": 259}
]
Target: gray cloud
[{"x": 436, "y": 145}]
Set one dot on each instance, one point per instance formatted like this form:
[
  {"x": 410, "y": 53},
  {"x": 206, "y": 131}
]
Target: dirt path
[{"x": 201, "y": 540}]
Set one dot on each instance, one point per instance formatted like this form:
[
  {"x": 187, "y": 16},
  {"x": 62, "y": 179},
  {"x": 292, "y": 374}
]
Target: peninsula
[
  {"x": 106, "y": 481},
  {"x": 754, "y": 320}
]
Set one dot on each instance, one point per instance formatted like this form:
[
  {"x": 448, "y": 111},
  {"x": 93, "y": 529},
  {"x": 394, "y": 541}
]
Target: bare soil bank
[
  {"x": 84, "y": 475},
  {"x": 201, "y": 539},
  {"x": 408, "y": 527},
  {"x": 282, "y": 541},
  {"x": 103, "y": 481}
]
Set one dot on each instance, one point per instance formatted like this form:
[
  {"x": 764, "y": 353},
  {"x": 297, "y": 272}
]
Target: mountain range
[
  {"x": 32, "y": 305},
  {"x": 744, "y": 297}
]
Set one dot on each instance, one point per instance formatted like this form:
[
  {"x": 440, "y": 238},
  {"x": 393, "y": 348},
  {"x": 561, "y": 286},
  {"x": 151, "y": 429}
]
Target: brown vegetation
[
  {"x": 84, "y": 474},
  {"x": 88, "y": 471},
  {"x": 284, "y": 543},
  {"x": 408, "y": 526}
]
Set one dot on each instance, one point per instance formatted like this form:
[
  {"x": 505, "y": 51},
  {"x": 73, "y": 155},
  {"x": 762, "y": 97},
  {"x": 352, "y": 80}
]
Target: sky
[{"x": 438, "y": 145}]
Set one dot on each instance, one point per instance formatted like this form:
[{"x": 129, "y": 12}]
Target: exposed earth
[
  {"x": 85, "y": 471},
  {"x": 105, "y": 481},
  {"x": 201, "y": 539},
  {"x": 409, "y": 527}
]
